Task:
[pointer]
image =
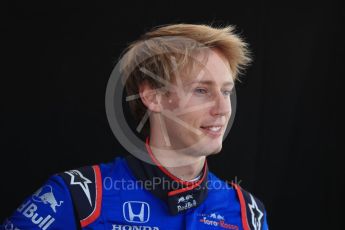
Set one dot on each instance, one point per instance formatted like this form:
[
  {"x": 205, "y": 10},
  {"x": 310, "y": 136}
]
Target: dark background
[{"x": 283, "y": 145}]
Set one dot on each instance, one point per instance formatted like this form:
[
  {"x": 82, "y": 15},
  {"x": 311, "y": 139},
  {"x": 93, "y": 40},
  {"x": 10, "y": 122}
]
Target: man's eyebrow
[{"x": 208, "y": 82}]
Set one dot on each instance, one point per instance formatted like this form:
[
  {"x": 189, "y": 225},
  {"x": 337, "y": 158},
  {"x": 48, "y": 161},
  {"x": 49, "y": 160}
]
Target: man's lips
[{"x": 213, "y": 130}]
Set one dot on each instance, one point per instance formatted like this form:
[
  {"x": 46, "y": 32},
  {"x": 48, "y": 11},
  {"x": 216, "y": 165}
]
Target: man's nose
[{"x": 222, "y": 105}]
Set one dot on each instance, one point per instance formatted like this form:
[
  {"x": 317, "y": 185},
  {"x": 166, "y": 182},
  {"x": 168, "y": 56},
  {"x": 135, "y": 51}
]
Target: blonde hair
[{"x": 164, "y": 48}]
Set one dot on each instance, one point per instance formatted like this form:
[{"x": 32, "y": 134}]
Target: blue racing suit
[{"x": 130, "y": 194}]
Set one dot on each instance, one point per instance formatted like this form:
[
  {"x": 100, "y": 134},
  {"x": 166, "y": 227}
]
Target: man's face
[{"x": 197, "y": 110}]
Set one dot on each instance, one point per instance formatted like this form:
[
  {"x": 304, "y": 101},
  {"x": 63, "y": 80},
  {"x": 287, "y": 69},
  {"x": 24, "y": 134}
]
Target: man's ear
[{"x": 150, "y": 97}]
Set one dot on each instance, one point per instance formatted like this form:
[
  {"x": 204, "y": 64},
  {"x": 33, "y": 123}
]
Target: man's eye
[
  {"x": 200, "y": 91},
  {"x": 227, "y": 92}
]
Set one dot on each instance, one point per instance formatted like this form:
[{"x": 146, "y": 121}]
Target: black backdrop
[{"x": 283, "y": 145}]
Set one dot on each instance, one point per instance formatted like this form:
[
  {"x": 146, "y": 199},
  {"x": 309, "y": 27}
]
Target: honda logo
[{"x": 136, "y": 211}]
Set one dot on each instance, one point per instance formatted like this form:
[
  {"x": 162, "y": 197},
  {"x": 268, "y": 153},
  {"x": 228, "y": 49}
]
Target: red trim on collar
[
  {"x": 243, "y": 207},
  {"x": 191, "y": 185},
  {"x": 98, "y": 203}
]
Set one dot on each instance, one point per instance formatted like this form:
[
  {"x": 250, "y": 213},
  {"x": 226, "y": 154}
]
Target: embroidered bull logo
[
  {"x": 184, "y": 199},
  {"x": 188, "y": 197},
  {"x": 46, "y": 196},
  {"x": 181, "y": 199},
  {"x": 217, "y": 216}
]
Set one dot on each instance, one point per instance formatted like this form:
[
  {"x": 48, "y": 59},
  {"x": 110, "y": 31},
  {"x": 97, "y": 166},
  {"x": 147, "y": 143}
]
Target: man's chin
[
  {"x": 216, "y": 151},
  {"x": 210, "y": 146},
  {"x": 212, "y": 149}
]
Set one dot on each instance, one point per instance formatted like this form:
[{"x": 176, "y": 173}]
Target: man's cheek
[{"x": 172, "y": 104}]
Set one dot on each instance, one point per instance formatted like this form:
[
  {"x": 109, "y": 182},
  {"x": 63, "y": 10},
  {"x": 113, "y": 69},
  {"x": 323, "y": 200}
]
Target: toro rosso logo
[{"x": 45, "y": 195}]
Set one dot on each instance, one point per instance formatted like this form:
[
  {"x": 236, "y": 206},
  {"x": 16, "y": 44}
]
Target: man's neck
[
  {"x": 183, "y": 166},
  {"x": 187, "y": 172}
]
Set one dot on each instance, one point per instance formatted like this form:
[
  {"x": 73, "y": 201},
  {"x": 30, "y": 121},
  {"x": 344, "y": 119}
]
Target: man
[{"x": 179, "y": 80}]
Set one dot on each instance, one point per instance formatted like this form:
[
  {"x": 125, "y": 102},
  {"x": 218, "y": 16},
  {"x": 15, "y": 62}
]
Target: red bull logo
[
  {"x": 29, "y": 210},
  {"x": 184, "y": 199},
  {"x": 46, "y": 196}
]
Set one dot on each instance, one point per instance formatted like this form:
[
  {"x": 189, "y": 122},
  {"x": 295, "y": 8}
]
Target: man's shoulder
[
  {"x": 252, "y": 208},
  {"x": 231, "y": 186},
  {"x": 88, "y": 171},
  {"x": 86, "y": 179},
  {"x": 217, "y": 183},
  {"x": 85, "y": 184}
]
